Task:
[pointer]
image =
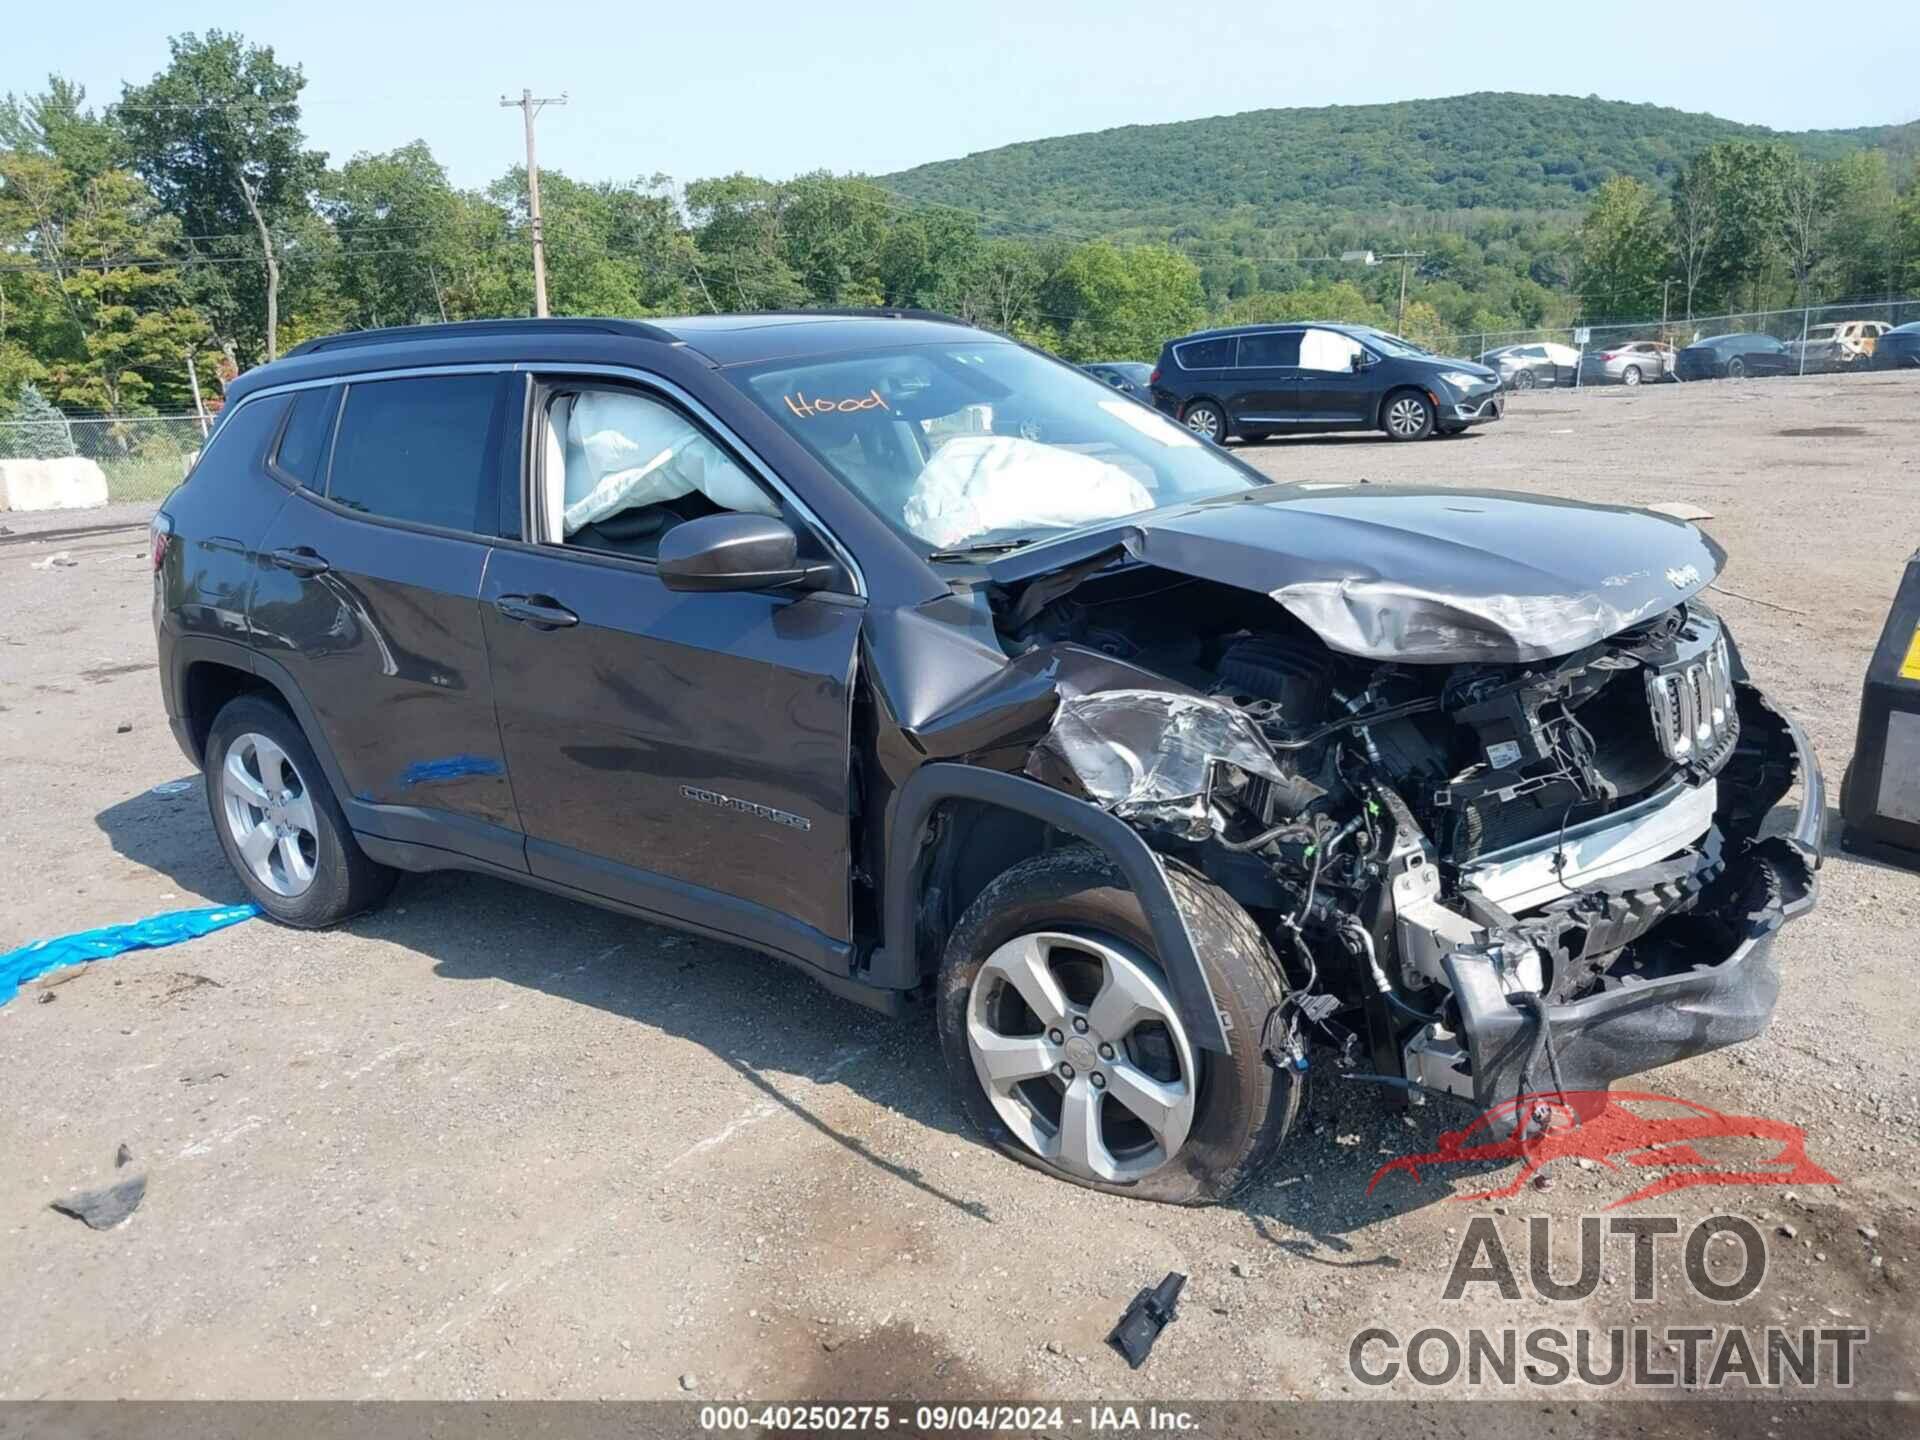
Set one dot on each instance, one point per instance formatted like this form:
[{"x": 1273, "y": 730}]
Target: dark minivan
[{"x": 1262, "y": 380}]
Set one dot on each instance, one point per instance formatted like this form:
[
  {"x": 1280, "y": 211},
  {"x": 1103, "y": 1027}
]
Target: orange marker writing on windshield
[{"x": 803, "y": 407}]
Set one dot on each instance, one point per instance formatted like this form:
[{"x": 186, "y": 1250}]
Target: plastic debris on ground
[
  {"x": 36, "y": 958},
  {"x": 1150, "y": 1313}
]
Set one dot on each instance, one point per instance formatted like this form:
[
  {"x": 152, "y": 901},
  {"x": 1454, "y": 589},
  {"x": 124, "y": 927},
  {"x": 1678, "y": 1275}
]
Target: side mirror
[
  {"x": 736, "y": 551},
  {"x": 1358, "y": 360}
]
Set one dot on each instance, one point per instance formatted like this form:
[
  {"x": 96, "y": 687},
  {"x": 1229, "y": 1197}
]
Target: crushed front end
[{"x": 1483, "y": 879}]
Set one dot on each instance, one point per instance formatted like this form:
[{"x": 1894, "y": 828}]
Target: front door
[
  {"x": 1333, "y": 394},
  {"x": 685, "y": 754}
]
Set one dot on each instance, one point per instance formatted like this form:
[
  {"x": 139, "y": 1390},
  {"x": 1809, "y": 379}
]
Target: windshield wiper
[{"x": 983, "y": 547}]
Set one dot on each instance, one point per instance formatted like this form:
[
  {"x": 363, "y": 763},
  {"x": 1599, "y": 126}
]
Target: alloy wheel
[
  {"x": 1406, "y": 417},
  {"x": 1631, "y": 375},
  {"x": 269, "y": 814},
  {"x": 1078, "y": 1048},
  {"x": 1205, "y": 421}
]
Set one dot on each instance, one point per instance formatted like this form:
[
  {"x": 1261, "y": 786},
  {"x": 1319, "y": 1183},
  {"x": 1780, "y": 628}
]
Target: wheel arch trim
[
  {"x": 897, "y": 964},
  {"x": 494, "y": 843}
]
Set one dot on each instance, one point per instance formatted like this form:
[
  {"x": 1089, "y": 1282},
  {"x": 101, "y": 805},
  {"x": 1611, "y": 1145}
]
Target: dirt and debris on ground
[{"x": 489, "y": 1143}]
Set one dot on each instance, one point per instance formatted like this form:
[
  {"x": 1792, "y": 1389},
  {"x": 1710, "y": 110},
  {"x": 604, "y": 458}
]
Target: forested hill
[{"x": 1483, "y": 151}]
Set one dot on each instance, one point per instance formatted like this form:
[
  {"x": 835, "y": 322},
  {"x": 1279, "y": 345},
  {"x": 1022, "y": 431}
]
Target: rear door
[
  {"x": 1334, "y": 395},
  {"x": 686, "y": 754},
  {"x": 1267, "y": 379},
  {"x": 369, "y": 598}
]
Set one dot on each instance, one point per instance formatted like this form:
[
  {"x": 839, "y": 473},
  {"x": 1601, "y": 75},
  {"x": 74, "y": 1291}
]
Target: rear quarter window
[
  {"x": 301, "y": 454},
  {"x": 1205, "y": 354}
]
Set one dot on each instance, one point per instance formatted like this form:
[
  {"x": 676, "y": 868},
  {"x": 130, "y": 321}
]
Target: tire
[
  {"x": 1206, "y": 420},
  {"x": 1408, "y": 415},
  {"x": 1630, "y": 375},
  {"x": 1525, "y": 380},
  {"x": 1736, "y": 369},
  {"x": 315, "y": 875},
  {"x": 1073, "y": 907}
]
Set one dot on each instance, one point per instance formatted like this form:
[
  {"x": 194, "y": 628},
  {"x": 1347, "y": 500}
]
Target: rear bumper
[{"x": 1723, "y": 995}]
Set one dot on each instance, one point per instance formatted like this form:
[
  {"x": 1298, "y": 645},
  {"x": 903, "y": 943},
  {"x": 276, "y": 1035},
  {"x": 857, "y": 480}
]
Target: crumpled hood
[{"x": 1428, "y": 575}]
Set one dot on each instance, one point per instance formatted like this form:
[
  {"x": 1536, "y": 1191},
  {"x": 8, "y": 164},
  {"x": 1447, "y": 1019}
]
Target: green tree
[
  {"x": 37, "y": 431},
  {"x": 1114, "y": 304},
  {"x": 742, "y": 261},
  {"x": 109, "y": 321},
  {"x": 217, "y": 135},
  {"x": 1623, "y": 251}
]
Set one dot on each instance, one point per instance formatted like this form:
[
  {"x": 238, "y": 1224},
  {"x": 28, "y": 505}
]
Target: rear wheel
[
  {"x": 1408, "y": 416},
  {"x": 1736, "y": 368},
  {"x": 1064, "y": 1045},
  {"x": 1525, "y": 380},
  {"x": 278, "y": 821},
  {"x": 1630, "y": 375},
  {"x": 1207, "y": 420}
]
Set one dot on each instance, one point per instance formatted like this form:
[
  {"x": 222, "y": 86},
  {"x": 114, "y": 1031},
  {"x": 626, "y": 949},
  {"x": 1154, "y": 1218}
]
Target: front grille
[{"x": 1693, "y": 707}]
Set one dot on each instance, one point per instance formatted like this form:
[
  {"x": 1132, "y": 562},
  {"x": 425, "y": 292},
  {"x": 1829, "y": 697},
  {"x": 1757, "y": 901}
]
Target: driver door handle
[{"x": 542, "y": 612}]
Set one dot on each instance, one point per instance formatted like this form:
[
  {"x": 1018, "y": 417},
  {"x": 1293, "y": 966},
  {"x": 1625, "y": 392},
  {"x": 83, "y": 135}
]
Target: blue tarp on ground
[{"x": 19, "y": 966}]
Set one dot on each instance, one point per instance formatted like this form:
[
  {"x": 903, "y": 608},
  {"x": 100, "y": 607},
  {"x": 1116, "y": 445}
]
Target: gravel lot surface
[{"x": 488, "y": 1143}]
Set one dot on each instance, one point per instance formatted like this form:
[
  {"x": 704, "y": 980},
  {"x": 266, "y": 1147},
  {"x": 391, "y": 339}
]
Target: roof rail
[
  {"x": 460, "y": 329},
  {"x": 873, "y": 312}
]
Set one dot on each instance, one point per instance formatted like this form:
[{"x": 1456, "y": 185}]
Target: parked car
[
  {"x": 1729, "y": 357},
  {"x": 1899, "y": 348},
  {"x": 1845, "y": 345},
  {"x": 847, "y": 638},
  {"x": 1130, "y": 377},
  {"x": 1534, "y": 366},
  {"x": 1256, "y": 381},
  {"x": 1631, "y": 362}
]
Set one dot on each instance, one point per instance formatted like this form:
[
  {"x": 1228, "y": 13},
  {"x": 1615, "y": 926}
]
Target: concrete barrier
[{"x": 66, "y": 484}]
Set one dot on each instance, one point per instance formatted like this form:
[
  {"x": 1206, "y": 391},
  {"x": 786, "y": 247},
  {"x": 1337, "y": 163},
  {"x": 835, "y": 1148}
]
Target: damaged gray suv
[{"x": 932, "y": 666}]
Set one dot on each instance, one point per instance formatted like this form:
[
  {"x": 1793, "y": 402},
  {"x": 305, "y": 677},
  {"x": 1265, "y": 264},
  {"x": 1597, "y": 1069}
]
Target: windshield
[
  {"x": 986, "y": 445},
  {"x": 1394, "y": 345}
]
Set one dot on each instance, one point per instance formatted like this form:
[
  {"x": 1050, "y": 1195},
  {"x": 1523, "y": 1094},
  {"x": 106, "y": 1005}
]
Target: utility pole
[
  {"x": 1665, "y": 286},
  {"x": 529, "y": 107},
  {"x": 193, "y": 384},
  {"x": 1406, "y": 258}
]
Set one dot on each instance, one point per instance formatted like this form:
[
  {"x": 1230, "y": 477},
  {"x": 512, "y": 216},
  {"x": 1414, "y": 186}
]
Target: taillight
[
  {"x": 1154, "y": 378},
  {"x": 160, "y": 536}
]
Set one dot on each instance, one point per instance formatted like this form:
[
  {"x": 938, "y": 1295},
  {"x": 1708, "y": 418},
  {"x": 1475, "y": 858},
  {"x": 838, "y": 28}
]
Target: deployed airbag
[
  {"x": 626, "y": 451},
  {"x": 982, "y": 484}
]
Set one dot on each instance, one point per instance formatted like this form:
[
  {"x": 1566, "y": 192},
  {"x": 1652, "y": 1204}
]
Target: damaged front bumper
[{"x": 1721, "y": 998}]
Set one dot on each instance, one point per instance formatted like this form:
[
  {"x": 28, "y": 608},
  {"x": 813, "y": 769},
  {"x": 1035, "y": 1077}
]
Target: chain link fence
[
  {"x": 142, "y": 456},
  {"x": 1821, "y": 339}
]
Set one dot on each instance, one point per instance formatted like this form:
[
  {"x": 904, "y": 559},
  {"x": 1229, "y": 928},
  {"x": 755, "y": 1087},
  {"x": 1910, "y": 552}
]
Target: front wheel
[
  {"x": 1525, "y": 380},
  {"x": 1064, "y": 1045},
  {"x": 1409, "y": 416},
  {"x": 1207, "y": 420}
]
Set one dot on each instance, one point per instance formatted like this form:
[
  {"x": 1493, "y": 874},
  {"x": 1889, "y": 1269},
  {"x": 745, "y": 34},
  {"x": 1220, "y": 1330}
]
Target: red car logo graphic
[{"x": 1602, "y": 1126}]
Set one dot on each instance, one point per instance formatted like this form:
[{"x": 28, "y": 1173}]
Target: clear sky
[{"x": 693, "y": 89}]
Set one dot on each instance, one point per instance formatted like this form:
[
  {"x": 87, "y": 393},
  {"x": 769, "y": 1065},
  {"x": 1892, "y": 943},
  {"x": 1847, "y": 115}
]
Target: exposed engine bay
[{"x": 1439, "y": 853}]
